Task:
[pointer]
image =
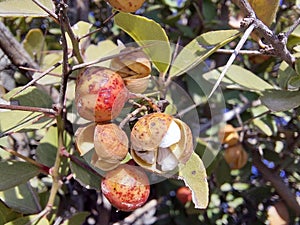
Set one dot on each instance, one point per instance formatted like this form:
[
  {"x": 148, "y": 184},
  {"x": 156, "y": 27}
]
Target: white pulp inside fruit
[
  {"x": 166, "y": 159},
  {"x": 172, "y": 136}
]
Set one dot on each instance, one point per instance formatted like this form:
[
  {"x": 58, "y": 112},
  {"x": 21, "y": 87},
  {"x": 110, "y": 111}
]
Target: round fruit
[
  {"x": 111, "y": 146},
  {"x": 126, "y": 187},
  {"x": 126, "y": 5},
  {"x": 228, "y": 135},
  {"x": 184, "y": 195},
  {"x": 160, "y": 142},
  {"x": 100, "y": 94},
  {"x": 236, "y": 156}
]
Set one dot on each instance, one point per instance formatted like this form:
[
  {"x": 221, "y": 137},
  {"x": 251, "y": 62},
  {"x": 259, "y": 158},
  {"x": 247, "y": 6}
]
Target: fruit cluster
[
  {"x": 235, "y": 155},
  {"x": 158, "y": 141}
]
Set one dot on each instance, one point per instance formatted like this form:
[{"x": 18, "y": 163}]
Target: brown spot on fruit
[
  {"x": 100, "y": 94},
  {"x": 126, "y": 187},
  {"x": 126, "y": 5}
]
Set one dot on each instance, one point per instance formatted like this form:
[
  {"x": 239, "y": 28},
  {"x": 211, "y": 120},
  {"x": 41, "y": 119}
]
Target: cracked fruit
[{"x": 159, "y": 142}]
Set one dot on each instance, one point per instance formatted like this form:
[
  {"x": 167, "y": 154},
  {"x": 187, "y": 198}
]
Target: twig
[
  {"x": 292, "y": 28},
  {"x": 281, "y": 188},
  {"x": 278, "y": 42},
  {"x": 149, "y": 100},
  {"x": 242, "y": 52},
  {"x": 60, "y": 118},
  {"x": 232, "y": 57},
  {"x": 82, "y": 65},
  {"x": 15, "y": 51},
  {"x": 77, "y": 161},
  {"x": 131, "y": 115},
  {"x": 99, "y": 29},
  {"x": 65, "y": 23},
  {"x": 228, "y": 115},
  {"x": 39, "y": 71},
  {"x": 29, "y": 108},
  {"x": 44, "y": 169},
  {"x": 138, "y": 213},
  {"x": 38, "y": 78},
  {"x": 50, "y": 13}
]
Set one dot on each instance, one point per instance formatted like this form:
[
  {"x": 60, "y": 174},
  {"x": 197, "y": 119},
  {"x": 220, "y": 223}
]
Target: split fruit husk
[
  {"x": 159, "y": 142},
  {"x": 135, "y": 69}
]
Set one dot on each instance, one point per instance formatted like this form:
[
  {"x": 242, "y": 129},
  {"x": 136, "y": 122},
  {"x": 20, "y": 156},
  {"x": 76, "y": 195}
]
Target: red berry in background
[
  {"x": 184, "y": 195},
  {"x": 100, "y": 94},
  {"x": 126, "y": 187}
]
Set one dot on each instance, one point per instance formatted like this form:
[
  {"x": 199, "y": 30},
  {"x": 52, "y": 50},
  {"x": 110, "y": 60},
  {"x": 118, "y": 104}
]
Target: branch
[
  {"x": 15, "y": 51},
  {"x": 44, "y": 169},
  {"x": 29, "y": 108},
  {"x": 281, "y": 188},
  {"x": 278, "y": 42}
]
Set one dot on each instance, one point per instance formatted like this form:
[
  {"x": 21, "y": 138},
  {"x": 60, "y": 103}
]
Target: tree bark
[{"x": 15, "y": 51}]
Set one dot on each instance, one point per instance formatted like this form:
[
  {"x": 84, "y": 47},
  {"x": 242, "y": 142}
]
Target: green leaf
[
  {"x": 31, "y": 96},
  {"x": 103, "y": 48},
  {"x": 247, "y": 79},
  {"x": 201, "y": 48},
  {"x": 21, "y": 199},
  {"x": 223, "y": 172},
  {"x": 147, "y": 32},
  {"x": 34, "y": 43},
  {"x": 280, "y": 100},
  {"x": 46, "y": 151},
  {"x": 193, "y": 174},
  {"x": 48, "y": 61},
  {"x": 14, "y": 121},
  {"x": 32, "y": 219},
  {"x": 239, "y": 77},
  {"x": 24, "y": 8},
  {"x": 86, "y": 178},
  {"x": 263, "y": 126},
  {"x": 285, "y": 74},
  {"x": 7, "y": 214},
  {"x": 80, "y": 29},
  {"x": 77, "y": 219},
  {"x": 16, "y": 173}
]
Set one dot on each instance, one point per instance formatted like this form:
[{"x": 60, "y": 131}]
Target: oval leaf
[
  {"x": 22, "y": 198},
  {"x": 14, "y": 121},
  {"x": 280, "y": 100},
  {"x": 34, "y": 43},
  {"x": 200, "y": 48},
  {"x": 77, "y": 219},
  {"x": 7, "y": 214},
  {"x": 193, "y": 174},
  {"x": 31, "y": 96},
  {"x": 147, "y": 32},
  {"x": 239, "y": 78},
  {"x": 85, "y": 177},
  {"x": 29, "y": 220},
  {"x": 24, "y": 8},
  {"x": 16, "y": 173}
]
